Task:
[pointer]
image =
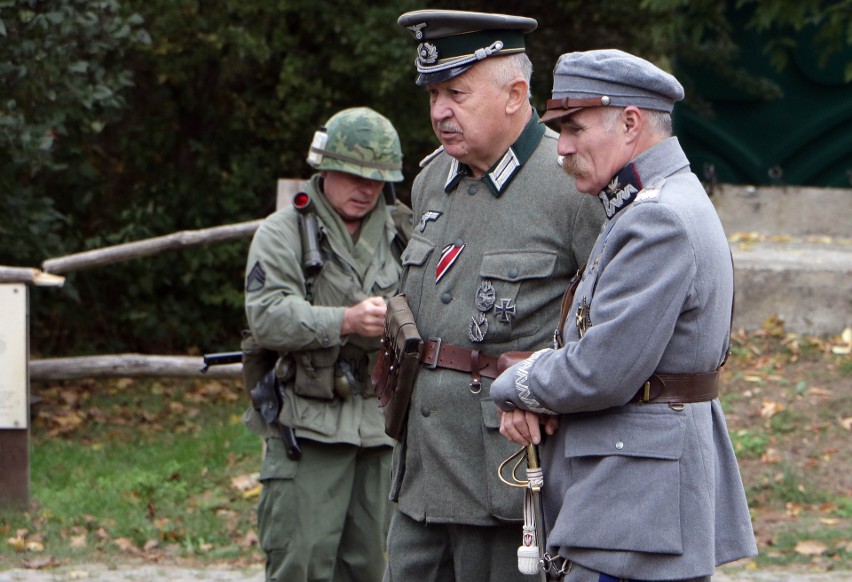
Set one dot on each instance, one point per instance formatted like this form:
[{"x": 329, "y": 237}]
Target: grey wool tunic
[
  {"x": 643, "y": 491},
  {"x": 518, "y": 234}
]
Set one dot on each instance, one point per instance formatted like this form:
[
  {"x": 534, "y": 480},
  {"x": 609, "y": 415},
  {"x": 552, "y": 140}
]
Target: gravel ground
[{"x": 100, "y": 573}]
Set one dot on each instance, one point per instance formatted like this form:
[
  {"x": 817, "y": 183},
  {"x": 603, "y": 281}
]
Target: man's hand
[
  {"x": 366, "y": 318},
  {"x": 524, "y": 427}
]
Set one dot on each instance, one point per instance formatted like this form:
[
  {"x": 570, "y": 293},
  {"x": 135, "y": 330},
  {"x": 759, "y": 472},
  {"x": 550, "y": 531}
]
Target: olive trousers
[
  {"x": 426, "y": 552},
  {"x": 324, "y": 517}
]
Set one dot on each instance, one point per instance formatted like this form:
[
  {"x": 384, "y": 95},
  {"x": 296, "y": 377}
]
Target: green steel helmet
[{"x": 358, "y": 141}]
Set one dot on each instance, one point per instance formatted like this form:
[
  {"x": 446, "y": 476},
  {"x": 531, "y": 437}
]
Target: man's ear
[
  {"x": 517, "y": 96},
  {"x": 632, "y": 121}
]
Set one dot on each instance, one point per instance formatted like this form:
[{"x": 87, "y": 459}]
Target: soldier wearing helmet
[{"x": 326, "y": 513}]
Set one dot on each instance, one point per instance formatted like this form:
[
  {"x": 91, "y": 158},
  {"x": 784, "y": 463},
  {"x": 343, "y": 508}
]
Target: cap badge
[
  {"x": 416, "y": 30},
  {"x": 427, "y": 53}
]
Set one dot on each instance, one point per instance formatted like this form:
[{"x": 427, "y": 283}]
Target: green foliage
[{"x": 128, "y": 119}]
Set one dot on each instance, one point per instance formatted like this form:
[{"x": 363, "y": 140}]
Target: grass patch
[{"x": 143, "y": 469}]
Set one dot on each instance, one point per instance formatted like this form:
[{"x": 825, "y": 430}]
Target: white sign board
[{"x": 13, "y": 356}]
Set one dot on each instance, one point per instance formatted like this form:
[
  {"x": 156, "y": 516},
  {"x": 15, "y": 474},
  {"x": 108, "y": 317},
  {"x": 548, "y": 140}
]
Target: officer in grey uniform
[
  {"x": 641, "y": 481},
  {"x": 325, "y": 515},
  {"x": 499, "y": 230}
]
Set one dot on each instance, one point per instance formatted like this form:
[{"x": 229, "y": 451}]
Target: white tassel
[{"x": 528, "y": 555}]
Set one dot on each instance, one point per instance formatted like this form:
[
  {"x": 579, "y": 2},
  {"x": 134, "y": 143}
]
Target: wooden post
[
  {"x": 287, "y": 189},
  {"x": 14, "y": 397}
]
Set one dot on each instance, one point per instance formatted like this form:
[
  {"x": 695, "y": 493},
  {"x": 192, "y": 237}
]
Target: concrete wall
[{"x": 792, "y": 251}]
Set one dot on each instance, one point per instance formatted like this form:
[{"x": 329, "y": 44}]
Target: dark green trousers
[
  {"x": 325, "y": 517},
  {"x": 420, "y": 552}
]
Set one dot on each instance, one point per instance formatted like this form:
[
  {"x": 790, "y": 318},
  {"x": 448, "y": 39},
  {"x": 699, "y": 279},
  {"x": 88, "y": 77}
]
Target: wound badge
[
  {"x": 584, "y": 318},
  {"x": 477, "y": 328},
  {"x": 505, "y": 311},
  {"x": 485, "y": 296}
]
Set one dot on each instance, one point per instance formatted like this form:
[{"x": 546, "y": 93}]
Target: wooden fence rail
[{"x": 135, "y": 365}]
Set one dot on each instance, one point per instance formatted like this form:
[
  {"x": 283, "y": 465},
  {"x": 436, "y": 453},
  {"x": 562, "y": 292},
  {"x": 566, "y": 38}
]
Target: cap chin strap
[{"x": 478, "y": 55}]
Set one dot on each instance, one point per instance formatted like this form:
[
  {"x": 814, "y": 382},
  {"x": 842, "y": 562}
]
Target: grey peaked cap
[{"x": 610, "y": 77}]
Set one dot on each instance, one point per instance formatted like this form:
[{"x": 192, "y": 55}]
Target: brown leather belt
[
  {"x": 662, "y": 388},
  {"x": 437, "y": 354},
  {"x": 679, "y": 388}
]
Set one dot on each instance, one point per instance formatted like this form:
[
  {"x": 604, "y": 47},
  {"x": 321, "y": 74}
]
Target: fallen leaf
[
  {"x": 35, "y": 547},
  {"x": 846, "y": 422},
  {"x": 41, "y": 563},
  {"x": 249, "y": 540},
  {"x": 17, "y": 543},
  {"x": 253, "y": 492},
  {"x": 77, "y": 541},
  {"x": 828, "y": 520},
  {"x": 845, "y": 348},
  {"x": 79, "y": 575},
  {"x": 821, "y": 392},
  {"x": 245, "y": 482},
  {"x": 770, "y": 408},
  {"x": 770, "y": 457},
  {"x": 811, "y": 548},
  {"x": 126, "y": 545}
]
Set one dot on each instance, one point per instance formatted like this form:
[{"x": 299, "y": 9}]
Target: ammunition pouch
[
  {"x": 315, "y": 373},
  {"x": 396, "y": 369}
]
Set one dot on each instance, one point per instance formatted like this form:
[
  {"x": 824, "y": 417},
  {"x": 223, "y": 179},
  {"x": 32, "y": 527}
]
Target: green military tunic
[
  {"x": 308, "y": 334},
  {"x": 330, "y": 507},
  {"x": 512, "y": 239}
]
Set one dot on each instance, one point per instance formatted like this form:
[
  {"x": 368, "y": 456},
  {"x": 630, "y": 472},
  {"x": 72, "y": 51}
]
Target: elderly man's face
[
  {"x": 593, "y": 151},
  {"x": 469, "y": 116}
]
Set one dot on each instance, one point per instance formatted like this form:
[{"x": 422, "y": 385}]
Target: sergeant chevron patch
[{"x": 256, "y": 278}]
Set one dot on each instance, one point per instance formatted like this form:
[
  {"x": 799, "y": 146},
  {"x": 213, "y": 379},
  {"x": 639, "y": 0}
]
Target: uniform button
[
  {"x": 446, "y": 297},
  {"x": 425, "y": 411},
  {"x": 513, "y": 272},
  {"x": 406, "y": 256},
  {"x": 324, "y": 341},
  {"x": 473, "y": 189},
  {"x": 619, "y": 445}
]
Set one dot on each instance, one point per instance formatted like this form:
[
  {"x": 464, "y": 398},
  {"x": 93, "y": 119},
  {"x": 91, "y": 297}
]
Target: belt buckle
[{"x": 434, "y": 364}]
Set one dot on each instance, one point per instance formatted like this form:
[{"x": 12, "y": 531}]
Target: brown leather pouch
[
  {"x": 509, "y": 359},
  {"x": 399, "y": 361}
]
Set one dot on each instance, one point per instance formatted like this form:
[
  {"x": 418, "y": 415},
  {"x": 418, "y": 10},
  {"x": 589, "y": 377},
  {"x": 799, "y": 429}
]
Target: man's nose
[{"x": 565, "y": 145}]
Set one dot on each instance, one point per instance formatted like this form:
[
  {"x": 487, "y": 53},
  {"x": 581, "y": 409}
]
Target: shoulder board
[
  {"x": 431, "y": 156},
  {"x": 651, "y": 192}
]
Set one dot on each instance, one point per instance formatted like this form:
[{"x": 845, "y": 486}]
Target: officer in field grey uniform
[
  {"x": 499, "y": 230},
  {"x": 324, "y": 516},
  {"x": 641, "y": 481}
]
